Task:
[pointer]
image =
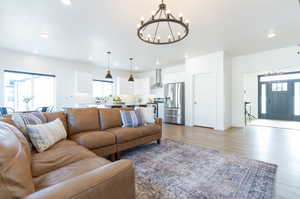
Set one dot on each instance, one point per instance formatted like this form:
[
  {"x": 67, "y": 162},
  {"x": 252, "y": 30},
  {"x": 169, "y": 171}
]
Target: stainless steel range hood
[{"x": 158, "y": 79}]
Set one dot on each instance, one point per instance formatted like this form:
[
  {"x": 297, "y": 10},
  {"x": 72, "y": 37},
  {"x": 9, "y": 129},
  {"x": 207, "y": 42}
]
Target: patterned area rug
[{"x": 176, "y": 170}]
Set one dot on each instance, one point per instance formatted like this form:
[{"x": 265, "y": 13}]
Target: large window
[
  {"x": 28, "y": 91},
  {"x": 102, "y": 88}
]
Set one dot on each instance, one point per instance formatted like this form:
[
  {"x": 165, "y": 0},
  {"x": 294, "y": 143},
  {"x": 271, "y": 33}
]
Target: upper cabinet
[
  {"x": 138, "y": 87},
  {"x": 142, "y": 86},
  {"x": 83, "y": 82}
]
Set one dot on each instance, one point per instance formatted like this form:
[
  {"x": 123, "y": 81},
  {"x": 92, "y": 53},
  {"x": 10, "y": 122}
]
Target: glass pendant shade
[
  {"x": 131, "y": 79},
  {"x": 108, "y": 74}
]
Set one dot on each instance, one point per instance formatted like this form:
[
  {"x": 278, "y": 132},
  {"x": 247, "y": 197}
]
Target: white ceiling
[{"x": 92, "y": 27}]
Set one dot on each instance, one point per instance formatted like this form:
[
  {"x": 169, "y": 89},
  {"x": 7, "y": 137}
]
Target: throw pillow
[
  {"x": 23, "y": 120},
  {"x": 147, "y": 114},
  {"x": 131, "y": 119},
  {"x": 40, "y": 115},
  {"x": 45, "y": 135}
]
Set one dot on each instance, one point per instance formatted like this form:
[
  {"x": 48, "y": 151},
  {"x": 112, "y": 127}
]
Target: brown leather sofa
[{"x": 74, "y": 168}]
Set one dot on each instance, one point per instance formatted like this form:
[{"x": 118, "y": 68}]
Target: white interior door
[{"x": 205, "y": 100}]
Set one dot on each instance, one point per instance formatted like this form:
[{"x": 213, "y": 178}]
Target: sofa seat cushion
[
  {"x": 151, "y": 129},
  {"x": 59, "y": 155},
  {"x": 68, "y": 172},
  {"x": 126, "y": 134},
  {"x": 94, "y": 139}
]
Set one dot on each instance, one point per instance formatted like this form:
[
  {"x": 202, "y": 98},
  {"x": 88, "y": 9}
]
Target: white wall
[
  {"x": 216, "y": 63},
  {"x": 220, "y": 65},
  {"x": 64, "y": 71},
  {"x": 227, "y": 91},
  {"x": 251, "y": 91},
  {"x": 284, "y": 59}
]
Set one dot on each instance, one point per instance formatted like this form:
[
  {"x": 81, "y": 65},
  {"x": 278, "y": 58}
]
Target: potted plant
[{"x": 27, "y": 100}]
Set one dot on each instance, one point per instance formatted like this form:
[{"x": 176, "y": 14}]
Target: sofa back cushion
[
  {"x": 15, "y": 163},
  {"x": 111, "y": 117},
  {"x": 83, "y": 119},
  {"x": 57, "y": 115}
]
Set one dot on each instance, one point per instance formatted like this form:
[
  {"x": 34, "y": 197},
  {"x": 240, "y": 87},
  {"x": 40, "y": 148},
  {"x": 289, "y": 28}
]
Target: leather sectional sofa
[{"x": 75, "y": 168}]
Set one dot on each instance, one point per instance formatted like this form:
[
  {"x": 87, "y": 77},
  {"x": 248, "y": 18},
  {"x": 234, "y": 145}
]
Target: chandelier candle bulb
[
  {"x": 181, "y": 17},
  {"x": 179, "y": 35},
  {"x": 158, "y": 39},
  {"x": 187, "y": 22},
  {"x": 153, "y": 15},
  {"x": 168, "y": 14},
  {"x": 142, "y": 20}
]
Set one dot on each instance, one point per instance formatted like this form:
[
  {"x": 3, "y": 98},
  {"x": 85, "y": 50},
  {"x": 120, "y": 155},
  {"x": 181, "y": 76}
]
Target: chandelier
[{"x": 162, "y": 26}]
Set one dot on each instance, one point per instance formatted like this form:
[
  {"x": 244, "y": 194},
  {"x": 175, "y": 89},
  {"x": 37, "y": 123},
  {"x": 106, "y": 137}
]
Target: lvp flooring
[{"x": 274, "y": 145}]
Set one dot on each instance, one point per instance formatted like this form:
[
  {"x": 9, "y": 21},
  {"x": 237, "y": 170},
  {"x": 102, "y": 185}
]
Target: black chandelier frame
[{"x": 163, "y": 16}]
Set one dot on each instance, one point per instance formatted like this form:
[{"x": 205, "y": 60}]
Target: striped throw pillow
[
  {"x": 131, "y": 119},
  {"x": 45, "y": 135},
  {"x": 23, "y": 120}
]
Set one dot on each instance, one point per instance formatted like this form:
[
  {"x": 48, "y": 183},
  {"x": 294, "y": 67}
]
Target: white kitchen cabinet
[
  {"x": 138, "y": 87},
  {"x": 142, "y": 86},
  {"x": 83, "y": 82}
]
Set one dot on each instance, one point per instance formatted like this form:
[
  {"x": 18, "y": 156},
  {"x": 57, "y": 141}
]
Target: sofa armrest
[
  {"x": 158, "y": 121},
  {"x": 113, "y": 181}
]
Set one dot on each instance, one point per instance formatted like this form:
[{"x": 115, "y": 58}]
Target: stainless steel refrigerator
[{"x": 174, "y": 103}]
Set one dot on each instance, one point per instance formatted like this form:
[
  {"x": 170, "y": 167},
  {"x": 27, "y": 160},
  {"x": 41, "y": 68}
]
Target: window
[
  {"x": 278, "y": 87},
  {"x": 263, "y": 99},
  {"x": 297, "y": 99},
  {"x": 28, "y": 91},
  {"x": 102, "y": 88}
]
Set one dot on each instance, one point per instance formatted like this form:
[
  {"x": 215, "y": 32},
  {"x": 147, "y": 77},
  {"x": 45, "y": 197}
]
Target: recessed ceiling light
[
  {"x": 66, "y": 2},
  {"x": 271, "y": 34},
  {"x": 44, "y": 35}
]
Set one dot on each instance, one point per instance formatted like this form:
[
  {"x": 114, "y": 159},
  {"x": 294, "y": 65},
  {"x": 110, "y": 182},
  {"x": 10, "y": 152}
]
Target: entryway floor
[{"x": 276, "y": 124}]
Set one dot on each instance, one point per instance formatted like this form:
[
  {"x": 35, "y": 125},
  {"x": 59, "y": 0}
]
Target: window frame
[
  {"x": 103, "y": 81},
  {"x": 32, "y": 74}
]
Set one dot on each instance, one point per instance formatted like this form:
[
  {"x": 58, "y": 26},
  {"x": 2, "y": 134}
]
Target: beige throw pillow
[
  {"x": 45, "y": 135},
  {"x": 147, "y": 114}
]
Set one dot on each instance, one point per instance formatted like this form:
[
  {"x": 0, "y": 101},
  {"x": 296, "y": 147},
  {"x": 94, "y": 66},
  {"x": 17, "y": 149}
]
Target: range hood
[{"x": 158, "y": 79}]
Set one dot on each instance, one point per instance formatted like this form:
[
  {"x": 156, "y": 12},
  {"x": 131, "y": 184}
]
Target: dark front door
[{"x": 278, "y": 96}]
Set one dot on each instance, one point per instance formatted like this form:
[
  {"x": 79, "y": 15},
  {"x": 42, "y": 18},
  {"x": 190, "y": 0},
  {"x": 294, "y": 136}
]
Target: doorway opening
[
  {"x": 279, "y": 96},
  {"x": 278, "y": 101}
]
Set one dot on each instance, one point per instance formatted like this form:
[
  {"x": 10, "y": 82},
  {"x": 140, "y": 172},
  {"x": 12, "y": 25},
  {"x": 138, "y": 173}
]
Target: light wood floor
[{"x": 274, "y": 145}]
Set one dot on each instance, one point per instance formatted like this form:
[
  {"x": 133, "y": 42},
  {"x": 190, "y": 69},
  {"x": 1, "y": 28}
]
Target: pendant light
[
  {"x": 131, "y": 79},
  {"x": 108, "y": 74}
]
